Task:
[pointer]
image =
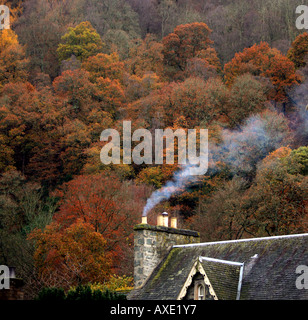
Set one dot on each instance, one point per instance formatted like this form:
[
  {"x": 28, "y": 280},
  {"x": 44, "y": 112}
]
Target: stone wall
[{"x": 152, "y": 243}]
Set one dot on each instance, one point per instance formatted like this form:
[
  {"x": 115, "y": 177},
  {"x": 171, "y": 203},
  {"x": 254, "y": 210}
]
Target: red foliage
[{"x": 111, "y": 207}]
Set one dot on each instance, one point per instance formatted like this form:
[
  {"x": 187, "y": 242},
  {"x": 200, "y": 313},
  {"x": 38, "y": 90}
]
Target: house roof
[
  {"x": 224, "y": 276},
  {"x": 269, "y": 270}
]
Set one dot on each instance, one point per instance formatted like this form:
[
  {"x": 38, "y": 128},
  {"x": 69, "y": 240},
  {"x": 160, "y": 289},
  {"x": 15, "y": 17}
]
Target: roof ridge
[
  {"x": 242, "y": 240},
  {"x": 221, "y": 261}
]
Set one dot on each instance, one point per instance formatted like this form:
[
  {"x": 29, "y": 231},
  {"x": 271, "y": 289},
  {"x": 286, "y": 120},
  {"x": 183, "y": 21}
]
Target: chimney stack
[{"x": 152, "y": 243}]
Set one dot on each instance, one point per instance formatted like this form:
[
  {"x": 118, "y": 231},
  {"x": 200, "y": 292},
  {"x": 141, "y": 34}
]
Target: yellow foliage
[{"x": 115, "y": 283}]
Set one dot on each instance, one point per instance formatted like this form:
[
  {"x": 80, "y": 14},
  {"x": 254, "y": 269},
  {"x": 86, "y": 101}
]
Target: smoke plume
[{"x": 240, "y": 150}]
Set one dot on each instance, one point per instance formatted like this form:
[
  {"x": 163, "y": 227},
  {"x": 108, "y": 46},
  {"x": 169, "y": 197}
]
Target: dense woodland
[{"x": 71, "y": 68}]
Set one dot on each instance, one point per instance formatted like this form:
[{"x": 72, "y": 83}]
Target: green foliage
[
  {"x": 298, "y": 161},
  {"x": 82, "y": 41},
  {"x": 51, "y": 294},
  {"x": 152, "y": 176},
  {"x": 85, "y": 293},
  {"x": 80, "y": 293}
]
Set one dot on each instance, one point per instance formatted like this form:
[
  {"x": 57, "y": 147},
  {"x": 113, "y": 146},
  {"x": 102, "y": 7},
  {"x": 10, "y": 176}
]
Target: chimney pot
[
  {"x": 174, "y": 222},
  {"x": 165, "y": 219},
  {"x": 162, "y": 220},
  {"x": 144, "y": 220}
]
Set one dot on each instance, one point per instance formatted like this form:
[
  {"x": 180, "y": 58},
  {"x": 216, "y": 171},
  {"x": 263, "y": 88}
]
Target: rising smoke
[{"x": 240, "y": 150}]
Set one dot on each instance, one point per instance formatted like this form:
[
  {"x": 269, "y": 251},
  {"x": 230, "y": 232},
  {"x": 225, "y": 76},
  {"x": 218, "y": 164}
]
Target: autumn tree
[
  {"x": 247, "y": 97},
  {"x": 111, "y": 95},
  {"x": 184, "y": 43},
  {"x": 19, "y": 122},
  {"x": 13, "y": 61},
  {"x": 105, "y": 66},
  {"x": 15, "y": 7},
  {"x": 189, "y": 100},
  {"x": 86, "y": 108},
  {"x": 220, "y": 215},
  {"x": 137, "y": 87},
  {"x": 298, "y": 53},
  {"x": 233, "y": 105},
  {"x": 297, "y": 161},
  {"x": 76, "y": 91},
  {"x": 70, "y": 257},
  {"x": 274, "y": 204},
  {"x": 44, "y": 133},
  {"x": 82, "y": 41},
  {"x": 111, "y": 207},
  {"x": 263, "y": 61},
  {"x": 205, "y": 65},
  {"x": 201, "y": 101},
  {"x": 146, "y": 57},
  {"x": 151, "y": 176},
  {"x": 279, "y": 194}
]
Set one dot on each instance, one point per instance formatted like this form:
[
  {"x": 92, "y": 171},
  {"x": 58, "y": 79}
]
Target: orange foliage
[
  {"x": 146, "y": 57},
  {"x": 76, "y": 255},
  {"x": 111, "y": 207},
  {"x": 13, "y": 61},
  {"x": 261, "y": 60},
  {"x": 186, "y": 42},
  {"x": 104, "y": 65}
]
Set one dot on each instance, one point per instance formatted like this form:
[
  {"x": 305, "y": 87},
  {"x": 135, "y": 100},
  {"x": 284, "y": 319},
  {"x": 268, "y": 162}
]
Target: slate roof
[
  {"x": 269, "y": 269},
  {"x": 224, "y": 277}
]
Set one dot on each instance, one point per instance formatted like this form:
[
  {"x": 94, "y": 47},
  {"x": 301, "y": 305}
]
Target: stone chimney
[{"x": 152, "y": 243}]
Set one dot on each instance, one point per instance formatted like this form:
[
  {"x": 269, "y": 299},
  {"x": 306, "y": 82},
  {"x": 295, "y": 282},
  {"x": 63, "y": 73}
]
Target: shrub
[{"x": 51, "y": 294}]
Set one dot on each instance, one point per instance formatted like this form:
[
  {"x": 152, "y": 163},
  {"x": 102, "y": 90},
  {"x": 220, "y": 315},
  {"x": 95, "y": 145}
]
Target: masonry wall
[{"x": 152, "y": 243}]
